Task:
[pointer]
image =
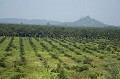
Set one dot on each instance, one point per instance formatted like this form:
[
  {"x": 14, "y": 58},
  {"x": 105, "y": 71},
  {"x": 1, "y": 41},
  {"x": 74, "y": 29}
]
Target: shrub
[
  {"x": 101, "y": 57},
  {"x": 8, "y": 54},
  {"x": 66, "y": 66},
  {"x": 80, "y": 68},
  {"x": 108, "y": 49},
  {"x": 61, "y": 71},
  {"x": 22, "y": 60},
  {"x": 38, "y": 55},
  {"x": 87, "y": 60},
  {"x": 54, "y": 56},
  {"x": 18, "y": 76},
  {"x": 77, "y": 60},
  {"x": 45, "y": 64},
  {"x": 2, "y": 63},
  {"x": 118, "y": 58}
]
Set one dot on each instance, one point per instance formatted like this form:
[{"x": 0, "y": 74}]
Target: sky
[{"x": 106, "y": 11}]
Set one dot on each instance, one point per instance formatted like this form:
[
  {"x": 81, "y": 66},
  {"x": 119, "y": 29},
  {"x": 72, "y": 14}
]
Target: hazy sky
[{"x": 107, "y": 11}]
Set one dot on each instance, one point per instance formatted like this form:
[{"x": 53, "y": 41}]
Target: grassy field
[{"x": 49, "y": 58}]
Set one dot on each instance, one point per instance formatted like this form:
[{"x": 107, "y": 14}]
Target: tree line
[{"x": 59, "y": 31}]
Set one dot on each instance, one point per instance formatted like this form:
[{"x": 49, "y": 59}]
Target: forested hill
[{"x": 59, "y": 32}]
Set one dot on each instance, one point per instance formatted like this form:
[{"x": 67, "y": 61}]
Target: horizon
[
  {"x": 106, "y": 11},
  {"x": 53, "y": 20}
]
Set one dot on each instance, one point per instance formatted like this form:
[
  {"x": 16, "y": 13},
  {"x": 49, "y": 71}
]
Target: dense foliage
[{"x": 59, "y": 31}]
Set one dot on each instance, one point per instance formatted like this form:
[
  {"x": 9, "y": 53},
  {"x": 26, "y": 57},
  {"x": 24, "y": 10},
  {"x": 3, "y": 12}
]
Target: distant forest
[{"x": 59, "y": 31}]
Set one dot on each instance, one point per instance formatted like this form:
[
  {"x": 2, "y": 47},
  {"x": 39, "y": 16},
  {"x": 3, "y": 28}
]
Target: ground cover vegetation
[{"x": 58, "y": 52}]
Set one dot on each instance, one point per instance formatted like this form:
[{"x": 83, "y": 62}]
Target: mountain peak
[
  {"x": 87, "y": 17},
  {"x": 88, "y": 22}
]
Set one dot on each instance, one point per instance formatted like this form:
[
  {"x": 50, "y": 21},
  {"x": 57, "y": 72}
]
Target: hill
[{"x": 84, "y": 22}]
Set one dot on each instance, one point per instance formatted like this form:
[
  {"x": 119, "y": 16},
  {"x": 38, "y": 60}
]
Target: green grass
[{"x": 94, "y": 63}]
